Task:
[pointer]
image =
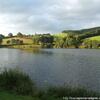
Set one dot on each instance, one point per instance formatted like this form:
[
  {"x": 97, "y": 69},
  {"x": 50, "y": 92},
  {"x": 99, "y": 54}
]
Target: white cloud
[{"x": 30, "y": 16}]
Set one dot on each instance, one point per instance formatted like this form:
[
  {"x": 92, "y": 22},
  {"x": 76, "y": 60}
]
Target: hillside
[
  {"x": 82, "y": 31},
  {"x": 95, "y": 38},
  {"x": 60, "y": 35},
  {"x": 25, "y": 40},
  {"x": 19, "y": 43}
]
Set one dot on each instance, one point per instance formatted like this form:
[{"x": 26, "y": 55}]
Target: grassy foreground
[
  {"x": 16, "y": 85},
  {"x": 9, "y": 96}
]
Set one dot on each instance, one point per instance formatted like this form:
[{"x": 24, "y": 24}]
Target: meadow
[
  {"x": 95, "y": 38},
  {"x": 25, "y": 40}
]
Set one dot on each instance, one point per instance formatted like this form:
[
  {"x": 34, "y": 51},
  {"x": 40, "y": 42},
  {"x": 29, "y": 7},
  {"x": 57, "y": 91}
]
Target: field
[
  {"x": 95, "y": 38},
  {"x": 27, "y": 43},
  {"x": 60, "y": 35},
  {"x": 25, "y": 40}
]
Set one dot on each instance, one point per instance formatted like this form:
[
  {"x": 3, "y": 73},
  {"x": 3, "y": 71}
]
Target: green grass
[
  {"x": 60, "y": 35},
  {"x": 16, "y": 81},
  {"x": 95, "y": 38},
  {"x": 27, "y": 43},
  {"x": 10, "y": 96},
  {"x": 25, "y": 40}
]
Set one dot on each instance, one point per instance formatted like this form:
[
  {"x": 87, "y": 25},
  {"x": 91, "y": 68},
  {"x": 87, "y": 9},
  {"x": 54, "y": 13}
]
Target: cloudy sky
[{"x": 30, "y": 16}]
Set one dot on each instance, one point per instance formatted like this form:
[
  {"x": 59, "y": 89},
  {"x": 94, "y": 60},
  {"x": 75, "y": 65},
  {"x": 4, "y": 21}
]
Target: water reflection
[{"x": 38, "y": 51}]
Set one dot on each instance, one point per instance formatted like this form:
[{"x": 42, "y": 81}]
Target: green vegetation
[
  {"x": 16, "y": 81},
  {"x": 85, "y": 38},
  {"x": 19, "y": 43},
  {"x": 4, "y": 95},
  {"x": 84, "y": 33},
  {"x": 70, "y": 92},
  {"x": 16, "y": 85},
  {"x": 92, "y": 42},
  {"x": 16, "y": 40},
  {"x": 69, "y": 39},
  {"x": 97, "y": 38}
]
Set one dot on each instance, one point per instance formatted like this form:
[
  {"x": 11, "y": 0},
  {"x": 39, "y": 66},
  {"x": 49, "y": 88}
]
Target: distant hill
[{"x": 82, "y": 31}]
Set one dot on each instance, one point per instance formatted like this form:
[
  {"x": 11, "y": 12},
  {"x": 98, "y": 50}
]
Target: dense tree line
[
  {"x": 67, "y": 41},
  {"x": 50, "y": 41},
  {"x": 45, "y": 40},
  {"x": 84, "y": 33},
  {"x": 89, "y": 34}
]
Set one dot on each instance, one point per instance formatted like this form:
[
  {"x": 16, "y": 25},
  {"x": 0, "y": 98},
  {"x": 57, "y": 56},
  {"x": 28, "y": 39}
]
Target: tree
[
  {"x": 91, "y": 43},
  {"x": 1, "y": 38},
  {"x": 36, "y": 39},
  {"x": 21, "y": 41},
  {"x": 16, "y": 41},
  {"x": 19, "y": 34},
  {"x": 0, "y": 41},
  {"x": 46, "y": 40},
  {"x": 8, "y": 42},
  {"x": 13, "y": 41},
  {"x": 10, "y": 35}
]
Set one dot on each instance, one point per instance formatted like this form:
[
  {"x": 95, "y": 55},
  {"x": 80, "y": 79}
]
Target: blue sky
[{"x": 42, "y": 16}]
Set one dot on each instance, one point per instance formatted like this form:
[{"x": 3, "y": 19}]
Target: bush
[
  {"x": 16, "y": 81},
  {"x": 60, "y": 92}
]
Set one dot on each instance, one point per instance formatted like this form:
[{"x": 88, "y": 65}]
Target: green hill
[
  {"x": 82, "y": 31},
  {"x": 25, "y": 40},
  {"x": 95, "y": 38}
]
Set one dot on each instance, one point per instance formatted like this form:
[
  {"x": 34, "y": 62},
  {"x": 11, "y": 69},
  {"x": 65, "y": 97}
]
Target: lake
[{"x": 56, "y": 67}]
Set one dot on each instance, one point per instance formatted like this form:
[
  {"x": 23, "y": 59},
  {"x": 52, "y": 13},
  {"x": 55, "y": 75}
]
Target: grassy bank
[
  {"x": 4, "y": 95},
  {"x": 25, "y": 47},
  {"x": 16, "y": 85}
]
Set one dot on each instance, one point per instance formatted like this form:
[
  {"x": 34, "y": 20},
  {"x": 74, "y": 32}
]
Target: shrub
[
  {"x": 70, "y": 92},
  {"x": 16, "y": 81}
]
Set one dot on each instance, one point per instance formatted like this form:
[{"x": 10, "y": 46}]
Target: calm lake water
[{"x": 57, "y": 67}]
